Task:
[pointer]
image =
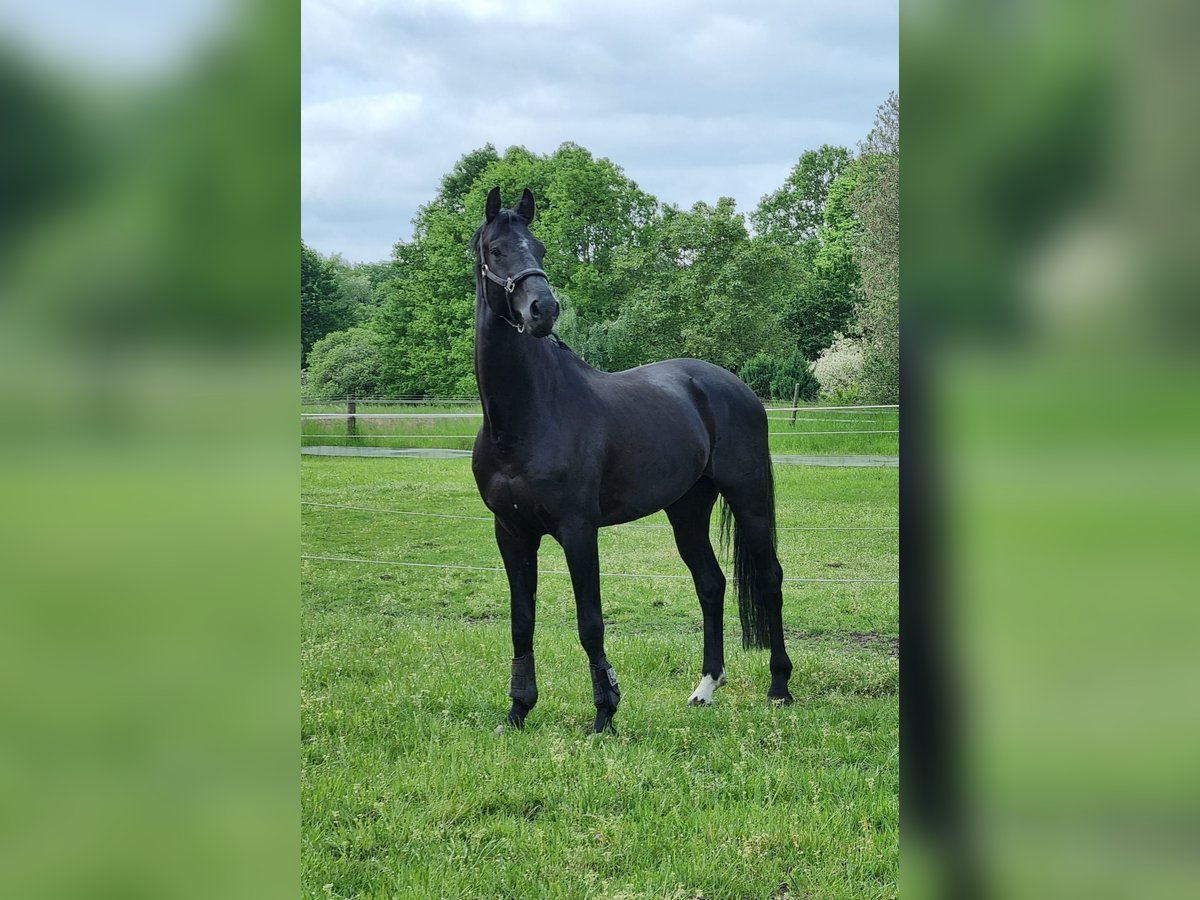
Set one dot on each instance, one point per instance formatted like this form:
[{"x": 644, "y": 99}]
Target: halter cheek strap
[{"x": 509, "y": 284}]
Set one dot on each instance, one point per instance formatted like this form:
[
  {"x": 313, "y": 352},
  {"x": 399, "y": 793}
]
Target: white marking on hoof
[{"x": 703, "y": 695}]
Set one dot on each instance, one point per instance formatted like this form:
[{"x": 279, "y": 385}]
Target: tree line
[{"x": 802, "y": 290}]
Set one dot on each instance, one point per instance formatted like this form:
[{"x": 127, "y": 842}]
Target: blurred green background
[
  {"x": 149, "y": 209},
  {"x": 1050, "y": 321}
]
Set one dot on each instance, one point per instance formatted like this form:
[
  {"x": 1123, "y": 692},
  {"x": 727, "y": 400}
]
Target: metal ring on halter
[{"x": 509, "y": 283}]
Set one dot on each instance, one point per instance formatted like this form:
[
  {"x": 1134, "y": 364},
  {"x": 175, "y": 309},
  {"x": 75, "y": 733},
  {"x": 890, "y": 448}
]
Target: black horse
[{"x": 565, "y": 449}]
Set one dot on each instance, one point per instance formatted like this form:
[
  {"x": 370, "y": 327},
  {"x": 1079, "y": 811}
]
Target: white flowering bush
[{"x": 839, "y": 369}]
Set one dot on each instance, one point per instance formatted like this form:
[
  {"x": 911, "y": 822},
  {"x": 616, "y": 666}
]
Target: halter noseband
[{"x": 509, "y": 284}]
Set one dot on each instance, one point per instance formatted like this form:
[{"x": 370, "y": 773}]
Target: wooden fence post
[
  {"x": 351, "y": 422},
  {"x": 795, "y": 400}
]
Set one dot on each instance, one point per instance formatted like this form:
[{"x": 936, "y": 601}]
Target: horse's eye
[{"x": 494, "y": 251}]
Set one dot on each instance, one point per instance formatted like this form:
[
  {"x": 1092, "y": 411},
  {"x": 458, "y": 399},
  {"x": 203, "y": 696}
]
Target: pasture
[{"x": 406, "y": 791}]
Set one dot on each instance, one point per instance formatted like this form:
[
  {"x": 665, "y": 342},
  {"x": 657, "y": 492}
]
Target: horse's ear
[
  {"x": 493, "y": 203},
  {"x": 525, "y": 209}
]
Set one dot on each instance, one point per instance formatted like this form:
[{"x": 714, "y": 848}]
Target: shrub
[
  {"x": 775, "y": 377},
  {"x": 757, "y": 372},
  {"x": 346, "y": 363},
  {"x": 839, "y": 369},
  {"x": 790, "y": 371}
]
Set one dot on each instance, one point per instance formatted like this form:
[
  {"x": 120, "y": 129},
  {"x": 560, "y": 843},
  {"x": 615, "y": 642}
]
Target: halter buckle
[{"x": 509, "y": 285}]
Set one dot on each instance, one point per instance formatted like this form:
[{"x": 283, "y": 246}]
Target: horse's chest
[{"x": 524, "y": 497}]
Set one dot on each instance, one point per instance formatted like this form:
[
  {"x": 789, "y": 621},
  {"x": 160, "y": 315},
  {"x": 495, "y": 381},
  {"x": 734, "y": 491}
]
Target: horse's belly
[{"x": 648, "y": 483}]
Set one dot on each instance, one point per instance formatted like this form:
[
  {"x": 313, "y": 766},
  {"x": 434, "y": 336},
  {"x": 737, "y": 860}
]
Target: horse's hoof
[
  {"x": 602, "y": 725},
  {"x": 499, "y": 730},
  {"x": 784, "y": 699},
  {"x": 703, "y": 694}
]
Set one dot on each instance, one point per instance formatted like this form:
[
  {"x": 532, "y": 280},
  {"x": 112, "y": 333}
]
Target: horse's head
[{"x": 510, "y": 267}]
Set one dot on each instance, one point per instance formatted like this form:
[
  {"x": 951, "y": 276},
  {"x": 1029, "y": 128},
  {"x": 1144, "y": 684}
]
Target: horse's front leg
[
  {"x": 520, "y": 563},
  {"x": 583, "y": 559}
]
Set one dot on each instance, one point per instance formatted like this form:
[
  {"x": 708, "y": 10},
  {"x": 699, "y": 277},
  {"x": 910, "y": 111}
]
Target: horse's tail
[{"x": 752, "y": 608}]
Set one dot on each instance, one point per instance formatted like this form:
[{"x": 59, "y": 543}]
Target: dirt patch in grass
[{"x": 850, "y": 640}]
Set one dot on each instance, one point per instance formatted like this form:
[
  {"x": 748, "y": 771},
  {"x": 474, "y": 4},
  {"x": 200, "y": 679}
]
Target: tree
[
  {"x": 697, "y": 285},
  {"x": 322, "y": 308},
  {"x": 792, "y": 215},
  {"x": 827, "y": 287},
  {"x": 588, "y": 213},
  {"x": 876, "y": 201},
  {"x": 347, "y": 363}
]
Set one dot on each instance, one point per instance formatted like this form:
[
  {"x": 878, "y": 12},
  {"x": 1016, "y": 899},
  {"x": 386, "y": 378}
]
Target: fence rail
[
  {"x": 437, "y": 401},
  {"x": 360, "y": 415},
  {"x": 413, "y": 401},
  {"x": 802, "y": 415}
]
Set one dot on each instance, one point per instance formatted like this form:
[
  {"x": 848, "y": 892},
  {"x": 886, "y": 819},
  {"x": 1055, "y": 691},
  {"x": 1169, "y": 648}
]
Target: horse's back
[
  {"x": 673, "y": 422},
  {"x": 721, "y": 398}
]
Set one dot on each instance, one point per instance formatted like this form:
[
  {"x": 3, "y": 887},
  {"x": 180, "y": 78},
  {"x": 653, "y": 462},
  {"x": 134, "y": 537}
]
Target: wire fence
[
  {"x": 451, "y": 401},
  {"x": 390, "y": 401},
  {"x": 851, "y": 415},
  {"x": 417, "y": 436},
  {"x": 847, "y": 415},
  {"x": 489, "y": 519},
  {"x": 362, "y": 415},
  {"x": 627, "y": 525},
  {"x": 651, "y": 575}
]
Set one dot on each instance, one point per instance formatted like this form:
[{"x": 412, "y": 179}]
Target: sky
[{"x": 694, "y": 100}]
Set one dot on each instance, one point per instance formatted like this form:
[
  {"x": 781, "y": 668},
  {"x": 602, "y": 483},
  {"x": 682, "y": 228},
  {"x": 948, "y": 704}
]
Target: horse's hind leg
[
  {"x": 689, "y": 518},
  {"x": 753, "y": 510}
]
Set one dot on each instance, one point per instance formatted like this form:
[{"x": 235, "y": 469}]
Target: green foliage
[
  {"x": 791, "y": 370},
  {"x": 827, "y": 286},
  {"x": 792, "y": 215},
  {"x": 347, "y": 363},
  {"x": 811, "y": 218},
  {"x": 699, "y": 286},
  {"x": 757, "y": 372},
  {"x": 851, "y": 395},
  {"x": 876, "y": 201},
  {"x": 322, "y": 309},
  {"x": 776, "y": 377}
]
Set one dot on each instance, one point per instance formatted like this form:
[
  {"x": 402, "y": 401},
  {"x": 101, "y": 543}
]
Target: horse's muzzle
[{"x": 542, "y": 315}]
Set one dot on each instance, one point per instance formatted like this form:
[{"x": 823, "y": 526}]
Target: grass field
[
  {"x": 424, "y": 429},
  {"x": 407, "y": 792}
]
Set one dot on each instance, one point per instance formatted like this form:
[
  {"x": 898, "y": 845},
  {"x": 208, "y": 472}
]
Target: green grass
[
  {"x": 459, "y": 433},
  {"x": 407, "y": 792}
]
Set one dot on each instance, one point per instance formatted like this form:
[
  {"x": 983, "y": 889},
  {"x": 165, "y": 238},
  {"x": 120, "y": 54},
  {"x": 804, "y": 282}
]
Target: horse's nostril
[{"x": 534, "y": 311}]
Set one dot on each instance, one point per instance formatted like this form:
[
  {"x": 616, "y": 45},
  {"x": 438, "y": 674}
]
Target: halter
[{"x": 509, "y": 284}]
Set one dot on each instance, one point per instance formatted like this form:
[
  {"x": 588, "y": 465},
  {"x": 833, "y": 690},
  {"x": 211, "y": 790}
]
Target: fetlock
[
  {"x": 606, "y": 691},
  {"x": 522, "y": 687}
]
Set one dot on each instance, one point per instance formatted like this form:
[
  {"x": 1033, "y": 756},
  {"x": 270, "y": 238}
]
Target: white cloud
[{"x": 693, "y": 100}]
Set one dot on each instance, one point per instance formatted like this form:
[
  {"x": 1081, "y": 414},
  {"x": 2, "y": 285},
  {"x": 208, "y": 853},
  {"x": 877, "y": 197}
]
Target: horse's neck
[{"x": 515, "y": 377}]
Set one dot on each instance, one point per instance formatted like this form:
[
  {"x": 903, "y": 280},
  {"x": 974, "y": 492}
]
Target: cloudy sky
[{"x": 694, "y": 100}]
